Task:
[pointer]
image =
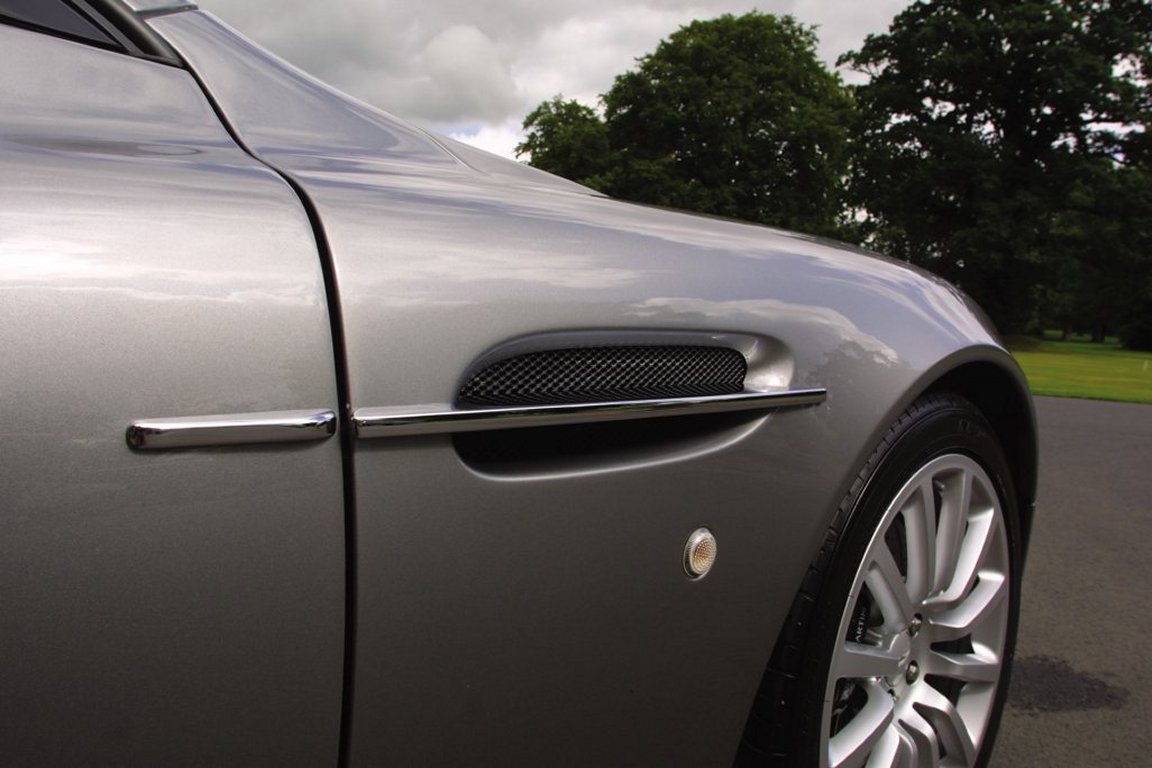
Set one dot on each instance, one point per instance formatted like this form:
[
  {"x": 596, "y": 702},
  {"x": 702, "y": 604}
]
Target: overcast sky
[{"x": 473, "y": 68}]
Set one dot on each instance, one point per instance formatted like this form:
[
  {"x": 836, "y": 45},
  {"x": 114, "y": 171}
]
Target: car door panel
[{"x": 171, "y": 607}]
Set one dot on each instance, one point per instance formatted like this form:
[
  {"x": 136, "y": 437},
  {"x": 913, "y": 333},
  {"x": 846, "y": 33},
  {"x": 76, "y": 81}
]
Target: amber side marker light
[{"x": 699, "y": 553}]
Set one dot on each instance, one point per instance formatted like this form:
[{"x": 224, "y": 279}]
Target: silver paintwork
[
  {"x": 188, "y": 607},
  {"x": 957, "y": 586},
  {"x": 231, "y": 429},
  {"x": 443, "y": 254},
  {"x": 437, "y": 419},
  {"x": 157, "y": 609}
]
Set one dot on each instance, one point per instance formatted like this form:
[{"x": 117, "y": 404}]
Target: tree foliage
[
  {"x": 1098, "y": 275},
  {"x": 568, "y": 139},
  {"x": 992, "y": 138},
  {"x": 1000, "y": 143},
  {"x": 735, "y": 116}
]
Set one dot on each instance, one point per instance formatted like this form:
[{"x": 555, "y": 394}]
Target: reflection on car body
[{"x": 223, "y": 281}]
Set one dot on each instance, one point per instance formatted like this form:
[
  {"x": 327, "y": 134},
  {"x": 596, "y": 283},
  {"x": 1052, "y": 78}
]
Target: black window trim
[
  {"x": 125, "y": 31},
  {"x": 138, "y": 38}
]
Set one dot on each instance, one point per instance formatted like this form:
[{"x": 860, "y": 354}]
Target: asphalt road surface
[{"x": 1081, "y": 691}]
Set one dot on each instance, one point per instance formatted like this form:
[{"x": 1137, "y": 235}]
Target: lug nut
[
  {"x": 913, "y": 672},
  {"x": 914, "y": 627}
]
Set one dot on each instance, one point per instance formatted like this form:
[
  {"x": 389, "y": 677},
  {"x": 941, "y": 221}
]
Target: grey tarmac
[{"x": 1082, "y": 686}]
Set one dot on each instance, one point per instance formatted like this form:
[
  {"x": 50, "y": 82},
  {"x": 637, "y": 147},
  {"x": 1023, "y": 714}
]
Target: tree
[
  {"x": 1134, "y": 322},
  {"x": 983, "y": 123},
  {"x": 735, "y": 116},
  {"x": 568, "y": 139},
  {"x": 1099, "y": 255}
]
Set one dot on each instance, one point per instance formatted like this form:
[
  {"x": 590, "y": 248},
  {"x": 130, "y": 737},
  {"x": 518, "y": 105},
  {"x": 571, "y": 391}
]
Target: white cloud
[
  {"x": 474, "y": 68},
  {"x": 500, "y": 139},
  {"x": 464, "y": 78},
  {"x": 580, "y": 56}
]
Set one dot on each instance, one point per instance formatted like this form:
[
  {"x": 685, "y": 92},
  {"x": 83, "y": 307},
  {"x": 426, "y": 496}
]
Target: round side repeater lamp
[{"x": 699, "y": 553}]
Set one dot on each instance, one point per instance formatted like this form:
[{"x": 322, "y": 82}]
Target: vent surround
[{"x": 607, "y": 374}]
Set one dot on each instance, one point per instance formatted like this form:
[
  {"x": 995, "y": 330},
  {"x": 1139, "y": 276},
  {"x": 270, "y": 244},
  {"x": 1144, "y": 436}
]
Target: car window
[{"x": 56, "y": 17}]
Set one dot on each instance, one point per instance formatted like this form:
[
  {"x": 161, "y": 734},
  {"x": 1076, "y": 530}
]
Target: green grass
[{"x": 1085, "y": 370}]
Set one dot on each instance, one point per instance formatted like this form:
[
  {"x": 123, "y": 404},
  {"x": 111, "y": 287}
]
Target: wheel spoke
[
  {"x": 920, "y": 541},
  {"x": 954, "y": 503},
  {"x": 887, "y": 752},
  {"x": 920, "y": 741},
  {"x": 947, "y": 722},
  {"x": 981, "y": 666},
  {"x": 851, "y": 746},
  {"x": 976, "y": 607},
  {"x": 888, "y": 589},
  {"x": 856, "y": 660},
  {"x": 907, "y": 755},
  {"x": 974, "y": 552}
]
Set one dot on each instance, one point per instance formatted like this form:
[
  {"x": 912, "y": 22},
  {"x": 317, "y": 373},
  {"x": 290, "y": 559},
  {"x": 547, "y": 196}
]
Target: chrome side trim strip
[
  {"x": 158, "y": 7},
  {"x": 231, "y": 429},
  {"x": 371, "y": 423}
]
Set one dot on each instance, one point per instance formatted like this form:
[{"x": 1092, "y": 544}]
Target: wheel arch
[{"x": 1002, "y": 396}]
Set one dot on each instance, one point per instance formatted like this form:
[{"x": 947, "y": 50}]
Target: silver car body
[{"x": 232, "y": 240}]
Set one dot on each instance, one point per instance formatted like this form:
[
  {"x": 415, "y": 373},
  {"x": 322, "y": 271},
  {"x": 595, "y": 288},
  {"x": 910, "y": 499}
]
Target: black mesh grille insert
[{"x": 603, "y": 374}]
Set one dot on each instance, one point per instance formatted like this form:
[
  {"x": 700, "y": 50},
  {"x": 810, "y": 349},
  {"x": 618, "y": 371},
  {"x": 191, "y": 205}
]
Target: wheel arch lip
[{"x": 990, "y": 378}]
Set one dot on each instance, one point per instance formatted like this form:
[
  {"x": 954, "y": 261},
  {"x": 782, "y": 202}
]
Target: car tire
[{"x": 898, "y": 647}]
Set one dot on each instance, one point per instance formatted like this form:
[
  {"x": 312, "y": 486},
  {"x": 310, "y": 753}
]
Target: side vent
[{"x": 607, "y": 374}]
